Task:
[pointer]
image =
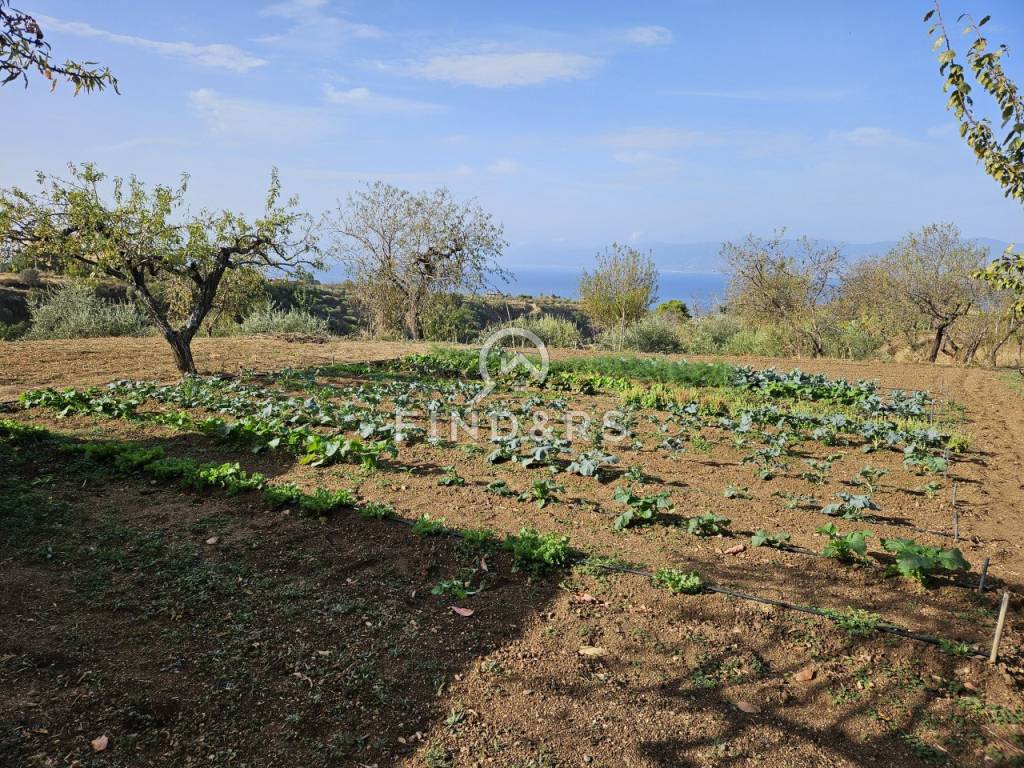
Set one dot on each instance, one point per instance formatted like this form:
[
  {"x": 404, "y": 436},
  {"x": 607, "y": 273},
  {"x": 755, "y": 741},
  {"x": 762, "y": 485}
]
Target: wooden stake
[
  {"x": 999, "y": 628},
  {"x": 984, "y": 573}
]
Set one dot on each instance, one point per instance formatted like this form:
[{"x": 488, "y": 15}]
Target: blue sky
[{"x": 574, "y": 123}]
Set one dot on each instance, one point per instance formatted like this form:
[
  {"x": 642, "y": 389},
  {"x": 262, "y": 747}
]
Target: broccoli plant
[
  {"x": 500, "y": 488},
  {"x": 542, "y": 492},
  {"x": 793, "y": 500},
  {"x": 640, "y": 510},
  {"x": 451, "y": 477},
  {"x": 850, "y": 506},
  {"x": 678, "y": 582},
  {"x": 708, "y": 524},
  {"x": 762, "y": 538},
  {"x": 869, "y": 476},
  {"x": 918, "y": 459},
  {"x": 737, "y": 492},
  {"x": 590, "y": 463},
  {"x": 931, "y": 489},
  {"x": 635, "y": 473},
  {"x": 921, "y": 561},
  {"x": 818, "y": 470},
  {"x": 848, "y": 548}
]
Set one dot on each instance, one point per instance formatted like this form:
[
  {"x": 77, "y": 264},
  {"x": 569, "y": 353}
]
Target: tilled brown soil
[{"x": 290, "y": 641}]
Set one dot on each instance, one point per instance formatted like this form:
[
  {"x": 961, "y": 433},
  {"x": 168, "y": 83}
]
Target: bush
[
  {"x": 13, "y": 331},
  {"x": 552, "y": 330},
  {"x": 447, "y": 318},
  {"x": 766, "y": 341},
  {"x": 74, "y": 311},
  {"x": 654, "y": 333},
  {"x": 854, "y": 341},
  {"x": 272, "y": 319},
  {"x": 709, "y": 334}
]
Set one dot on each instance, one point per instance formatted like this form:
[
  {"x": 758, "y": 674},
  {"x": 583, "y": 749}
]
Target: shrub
[
  {"x": 654, "y": 333},
  {"x": 674, "y": 309},
  {"x": 552, "y": 330},
  {"x": 709, "y": 334},
  {"x": 447, "y": 318},
  {"x": 270, "y": 319},
  {"x": 765, "y": 340},
  {"x": 13, "y": 331},
  {"x": 74, "y": 311},
  {"x": 854, "y": 341}
]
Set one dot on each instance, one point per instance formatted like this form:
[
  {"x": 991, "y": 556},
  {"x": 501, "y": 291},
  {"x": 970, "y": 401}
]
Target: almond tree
[
  {"x": 144, "y": 239},
  {"x": 401, "y": 249},
  {"x": 22, "y": 49},
  {"x": 1002, "y": 156},
  {"x": 620, "y": 289}
]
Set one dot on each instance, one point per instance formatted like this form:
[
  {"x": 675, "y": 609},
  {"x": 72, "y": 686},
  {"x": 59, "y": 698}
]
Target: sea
[{"x": 700, "y": 290}]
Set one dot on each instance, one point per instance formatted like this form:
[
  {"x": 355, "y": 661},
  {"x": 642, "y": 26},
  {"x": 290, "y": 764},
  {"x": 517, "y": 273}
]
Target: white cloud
[
  {"x": 504, "y": 167},
  {"x": 794, "y": 95},
  {"x": 249, "y": 119},
  {"x": 215, "y": 55},
  {"x": 365, "y": 99},
  {"x": 869, "y": 136},
  {"x": 638, "y": 143},
  {"x": 312, "y": 25},
  {"x": 498, "y": 70},
  {"x": 650, "y": 35}
]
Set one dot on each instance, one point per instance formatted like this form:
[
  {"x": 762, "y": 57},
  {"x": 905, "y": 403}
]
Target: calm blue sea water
[{"x": 697, "y": 289}]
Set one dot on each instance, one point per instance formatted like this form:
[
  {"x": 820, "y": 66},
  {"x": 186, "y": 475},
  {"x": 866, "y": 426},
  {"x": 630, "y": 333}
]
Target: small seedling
[
  {"x": 855, "y": 621},
  {"x": 931, "y": 488},
  {"x": 377, "y": 510},
  {"x": 500, "y": 488},
  {"x": 848, "y": 548},
  {"x": 762, "y": 538},
  {"x": 737, "y": 492},
  {"x": 678, "y": 582},
  {"x": 542, "y": 492},
  {"x": 640, "y": 510},
  {"x": 708, "y": 524},
  {"x": 535, "y": 552},
  {"x": 869, "y": 476},
  {"x": 425, "y": 525},
  {"x": 451, "y": 477}
]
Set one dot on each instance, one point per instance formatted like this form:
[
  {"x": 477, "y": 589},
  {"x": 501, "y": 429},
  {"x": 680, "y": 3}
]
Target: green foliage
[
  {"x": 13, "y": 331},
  {"x": 282, "y": 495},
  {"x": 673, "y": 309},
  {"x": 652, "y": 333},
  {"x": 500, "y": 488},
  {"x": 447, "y": 317},
  {"x": 762, "y": 538},
  {"x": 554, "y": 331},
  {"x": 869, "y": 476},
  {"x": 535, "y": 552},
  {"x": 590, "y": 463},
  {"x": 850, "y": 506},
  {"x": 542, "y": 492},
  {"x": 458, "y": 588},
  {"x": 425, "y": 525},
  {"x": 620, "y": 289},
  {"x": 322, "y": 502},
  {"x": 1002, "y": 156},
  {"x": 376, "y": 510},
  {"x": 737, "y": 492},
  {"x": 477, "y": 540},
  {"x": 847, "y": 548},
  {"x": 451, "y": 477},
  {"x": 708, "y": 524},
  {"x": 855, "y": 621},
  {"x": 228, "y": 476},
  {"x": 640, "y": 510},
  {"x": 74, "y": 311},
  {"x": 678, "y": 582},
  {"x": 920, "y": 561},
  {"x": 270, "y": 319}
]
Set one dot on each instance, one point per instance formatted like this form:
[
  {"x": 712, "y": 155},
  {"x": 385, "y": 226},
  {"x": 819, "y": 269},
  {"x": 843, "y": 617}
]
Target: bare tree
[
  {"x": 134, "y": 236},
  {"x": 934, "y": 270},
  {"x": 790, "y": 284},
  {"x": 22, "y": 48},
  {"x": 402, "y": 248}
]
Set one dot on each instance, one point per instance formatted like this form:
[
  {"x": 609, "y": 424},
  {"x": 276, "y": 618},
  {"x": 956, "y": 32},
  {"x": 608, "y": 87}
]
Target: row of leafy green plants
[{"x": 531, "y": 551}]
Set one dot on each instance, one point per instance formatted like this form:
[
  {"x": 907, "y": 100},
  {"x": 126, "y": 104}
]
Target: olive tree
[
  {"x": 620, "y": 289},
  {"x": 143, "y": 238},
  {"x": 403, "y": 248},
  {"x": 776, "y": 281},
  {"x": 933, "y": 270},
  {"x": 23, "y": 49},
  {"x": 1001, "y": 155}
]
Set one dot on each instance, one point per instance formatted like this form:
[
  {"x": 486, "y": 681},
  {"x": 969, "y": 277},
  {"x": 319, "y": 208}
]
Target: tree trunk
[
  {"x": 940, "y": 337},
  {"x": 181, "y": 346}
]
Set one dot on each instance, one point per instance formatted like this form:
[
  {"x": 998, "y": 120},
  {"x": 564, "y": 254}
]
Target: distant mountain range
[{"x": 684, "y": 257}]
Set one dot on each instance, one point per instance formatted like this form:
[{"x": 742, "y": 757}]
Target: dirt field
[{"x": 194, "y": 628}]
